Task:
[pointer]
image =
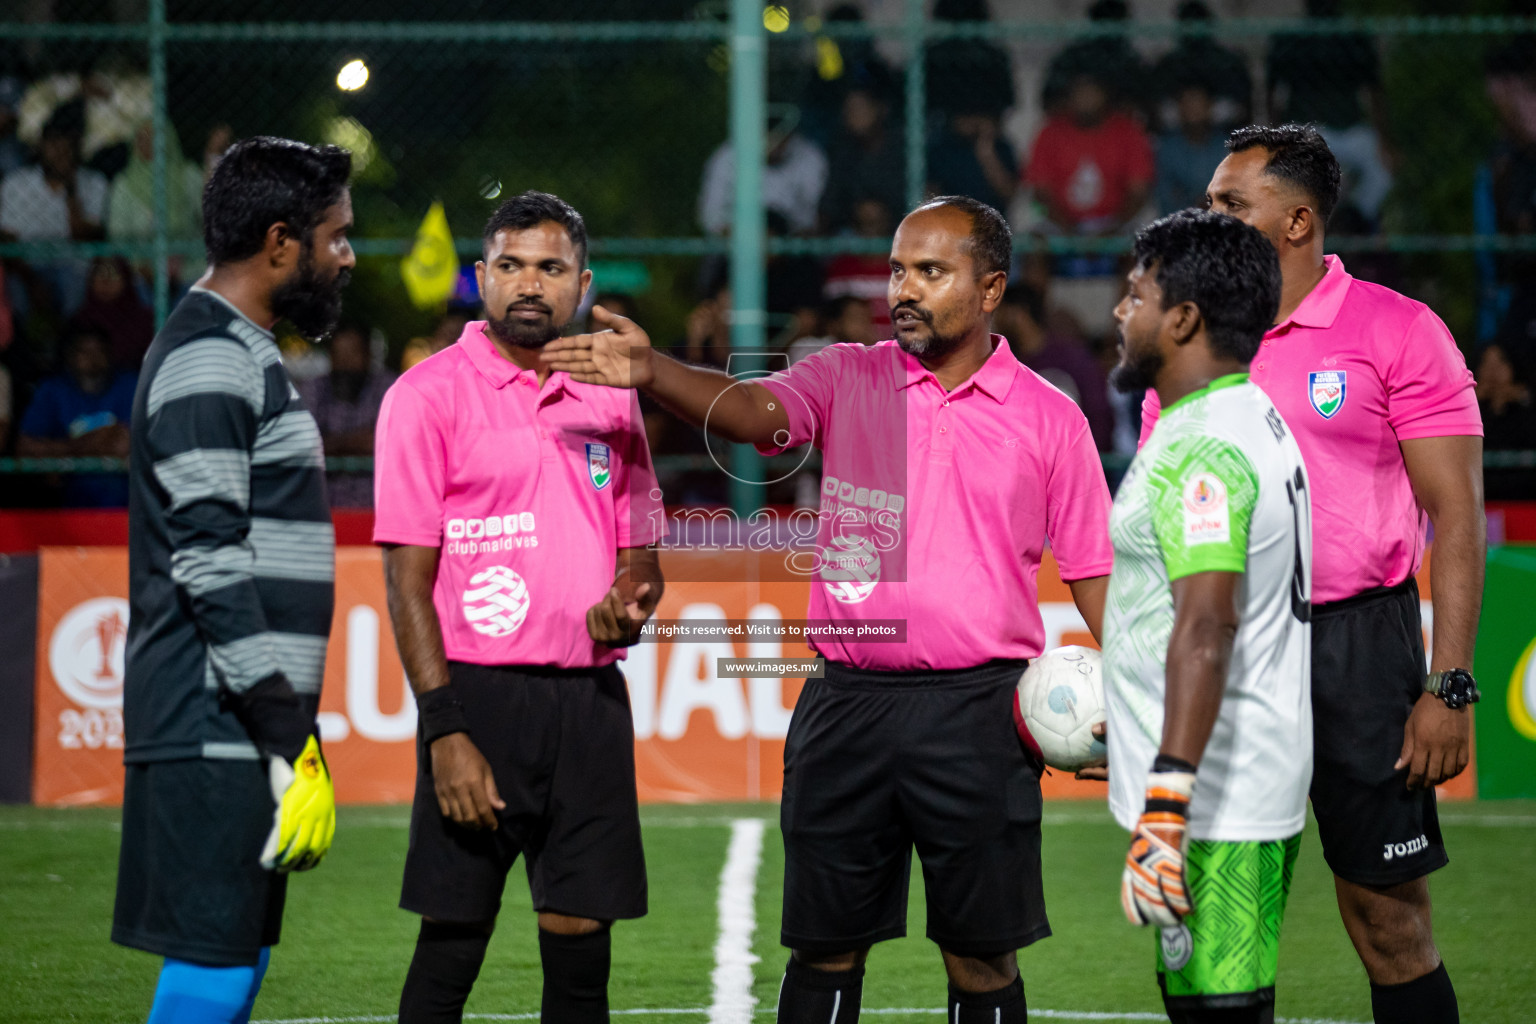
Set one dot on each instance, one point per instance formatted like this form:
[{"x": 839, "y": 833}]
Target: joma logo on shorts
[{"x": 1390, "y": 850}]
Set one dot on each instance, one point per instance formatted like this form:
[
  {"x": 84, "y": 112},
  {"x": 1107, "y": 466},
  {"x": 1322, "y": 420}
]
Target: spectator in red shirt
[{"x": 1091, "y": 166}]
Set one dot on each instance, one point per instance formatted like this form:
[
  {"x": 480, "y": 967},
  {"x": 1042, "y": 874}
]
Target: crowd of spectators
[
  {"x": 1111, "y": 130},
  {"x": 1112, "y": 134},
  {"x": 77, "y": 165},
  {"x": 1506, "y": 205}
]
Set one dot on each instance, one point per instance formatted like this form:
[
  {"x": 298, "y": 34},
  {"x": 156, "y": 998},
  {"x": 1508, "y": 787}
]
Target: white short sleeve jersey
[{"x": 1218, "y": 487}]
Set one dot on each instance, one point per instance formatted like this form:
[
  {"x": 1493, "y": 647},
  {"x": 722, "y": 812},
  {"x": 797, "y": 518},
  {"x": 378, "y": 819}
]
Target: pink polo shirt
[
  {"x": 1354, "y": 370},
  {"x": 529, "y": 491},
  {"x": 936, "y": 507}
]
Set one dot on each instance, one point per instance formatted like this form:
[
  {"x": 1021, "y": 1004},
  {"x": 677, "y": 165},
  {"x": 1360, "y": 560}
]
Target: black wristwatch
[{"x": 1455, "y": 686}]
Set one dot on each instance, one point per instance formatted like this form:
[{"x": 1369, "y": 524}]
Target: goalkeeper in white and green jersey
[{"x": 1206, "y": 632}]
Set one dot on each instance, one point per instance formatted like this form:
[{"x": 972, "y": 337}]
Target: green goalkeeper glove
[{"x": 304, "y": 821}]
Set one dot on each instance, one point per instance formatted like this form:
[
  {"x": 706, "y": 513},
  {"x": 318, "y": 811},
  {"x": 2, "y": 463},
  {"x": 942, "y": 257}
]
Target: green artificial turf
[{"x": 346, "y": 947}]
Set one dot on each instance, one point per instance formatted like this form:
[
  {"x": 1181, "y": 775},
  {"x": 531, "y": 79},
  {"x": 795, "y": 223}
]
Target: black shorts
[
  {"x": 877, "y": 763},
  {"x": 1367, "y": 673},
  {"x": 561, "y": 746},
  {"x": 190, "y": 884}
]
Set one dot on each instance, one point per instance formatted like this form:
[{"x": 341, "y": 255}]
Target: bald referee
[
  {"x": 947, "y": 466},
  {"x": 1382, "y": 405}
]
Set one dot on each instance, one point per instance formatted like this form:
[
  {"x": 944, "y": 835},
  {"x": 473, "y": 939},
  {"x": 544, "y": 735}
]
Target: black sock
[
  {"x": 1256, "y": 1013},
  {"x": 447, "y": 961},
  {"x": 1000, "y": 1006},
  {"x": 809, "y": 996},
  {"x": 1426, "y": 1000},
  {"x": 575, "y": 977}
]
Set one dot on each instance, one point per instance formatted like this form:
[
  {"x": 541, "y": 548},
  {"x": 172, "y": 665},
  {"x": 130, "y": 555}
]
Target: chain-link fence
[{"x": 113, "y": 111}]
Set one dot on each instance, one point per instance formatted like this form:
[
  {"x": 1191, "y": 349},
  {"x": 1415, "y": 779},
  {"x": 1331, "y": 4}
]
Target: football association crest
[
  {"x": 1204, "y": 494},
  {"x": 1326, "y": 389},
  {"x": 1177, "y": 946},
  {"x": 599, "y": 465}
]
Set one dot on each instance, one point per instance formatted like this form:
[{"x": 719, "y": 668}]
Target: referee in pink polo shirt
[
  {"x": 946, "y": 467},
  {"x": 515, "y": 507},
  {"x": 1381, "y": 403}
]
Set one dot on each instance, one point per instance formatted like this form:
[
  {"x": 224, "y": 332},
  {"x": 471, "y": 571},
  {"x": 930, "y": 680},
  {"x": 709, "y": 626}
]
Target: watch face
[{"x": 1458, "y": 689}]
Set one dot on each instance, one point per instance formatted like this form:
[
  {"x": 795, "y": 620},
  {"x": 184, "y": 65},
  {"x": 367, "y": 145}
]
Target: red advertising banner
[{"x": 698, "y": 736}]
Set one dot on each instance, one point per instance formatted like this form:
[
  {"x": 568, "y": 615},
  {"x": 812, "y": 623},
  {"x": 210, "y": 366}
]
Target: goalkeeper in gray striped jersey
[{"x": 1206, "y": 630}]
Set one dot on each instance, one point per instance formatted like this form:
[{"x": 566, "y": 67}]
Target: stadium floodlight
[{"x": 352, "y": 76}]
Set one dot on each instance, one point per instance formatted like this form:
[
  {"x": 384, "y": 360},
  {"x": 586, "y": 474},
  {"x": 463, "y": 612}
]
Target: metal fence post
[
  {"x": 161, "y": 126},
  {"x": 916, "y": 116},
  {"x": 749, "y": 66}
]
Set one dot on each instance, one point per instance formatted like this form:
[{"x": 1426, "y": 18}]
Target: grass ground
[{"x": 345, "y": 945}]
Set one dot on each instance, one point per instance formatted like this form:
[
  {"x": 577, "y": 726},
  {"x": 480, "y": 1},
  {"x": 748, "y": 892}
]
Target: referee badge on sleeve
[{"x": 599, "y": 465}]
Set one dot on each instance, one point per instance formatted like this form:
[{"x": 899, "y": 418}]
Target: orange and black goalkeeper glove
[{"x": 1152, "y": 887}]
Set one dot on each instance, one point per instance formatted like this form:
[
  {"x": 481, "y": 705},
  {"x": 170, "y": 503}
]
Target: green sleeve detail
[{"x": 1202, "y": 491}]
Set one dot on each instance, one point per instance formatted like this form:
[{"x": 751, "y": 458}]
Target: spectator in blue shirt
[
  {"x": 1187, "y": 156},
  {"x": 83, "y": 411}
]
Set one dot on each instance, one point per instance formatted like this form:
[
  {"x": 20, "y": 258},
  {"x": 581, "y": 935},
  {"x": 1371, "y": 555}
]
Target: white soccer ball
[{"x": 1060, "y": 698}]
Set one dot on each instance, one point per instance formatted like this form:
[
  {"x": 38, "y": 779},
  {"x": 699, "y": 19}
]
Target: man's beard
[
  {"x": 311, "y": 304},
  {"x": 524, "y": 334},
  {"x": 1137, "y": 370},
  {"x": 933, "y": 346}
]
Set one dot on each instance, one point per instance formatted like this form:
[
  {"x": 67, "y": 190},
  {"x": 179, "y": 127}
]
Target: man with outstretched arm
[
  {"x": 1206, "y": 635},
  {"x": 946, "y": 467},
  {"x": 516, "y": 508}
]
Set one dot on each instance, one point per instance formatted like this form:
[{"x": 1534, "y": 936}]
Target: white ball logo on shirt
[
  {"x": 850, "y": 569},
  {"x": 496, "y": 602}
]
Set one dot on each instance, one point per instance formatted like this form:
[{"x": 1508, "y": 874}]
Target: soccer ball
[{"x": 1058, "y": 701}]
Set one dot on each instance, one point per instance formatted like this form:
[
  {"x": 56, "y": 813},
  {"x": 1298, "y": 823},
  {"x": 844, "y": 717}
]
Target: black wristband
[
  {"x": 440, "y": 712},
  {"x": 1160, "y": 804},
  {"x": 1167, "y": 763},
  {"x": 274, "y": 715}
]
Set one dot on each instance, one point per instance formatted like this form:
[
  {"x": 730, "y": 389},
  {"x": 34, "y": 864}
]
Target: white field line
[
  {"x": 1085, "y": 1015},
  {"x": 391, "y": 1018},
  {"x": 733, "y": 1000},
  {"x": 1079, "y": 1015}
]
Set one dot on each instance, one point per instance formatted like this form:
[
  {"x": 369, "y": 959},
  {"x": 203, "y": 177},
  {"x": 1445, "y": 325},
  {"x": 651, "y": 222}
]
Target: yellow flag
[{"x": 432, "y": 268}]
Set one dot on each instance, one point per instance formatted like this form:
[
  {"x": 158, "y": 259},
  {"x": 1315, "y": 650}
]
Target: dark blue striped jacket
[{"x": 231, "y": 553}]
